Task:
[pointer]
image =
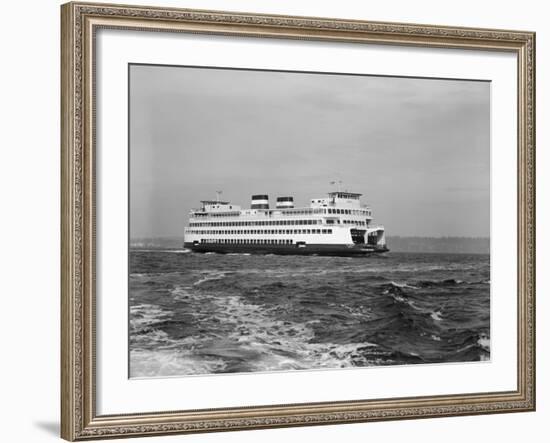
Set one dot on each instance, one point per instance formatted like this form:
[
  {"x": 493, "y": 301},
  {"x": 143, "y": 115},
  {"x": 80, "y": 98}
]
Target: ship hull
[{"x": 342, "y": 250}]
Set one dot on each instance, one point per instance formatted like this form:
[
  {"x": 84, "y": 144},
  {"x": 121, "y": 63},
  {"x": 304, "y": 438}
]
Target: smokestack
[
  {"x": 260, "y": 202},
  {"x": 285, "y": 202}
]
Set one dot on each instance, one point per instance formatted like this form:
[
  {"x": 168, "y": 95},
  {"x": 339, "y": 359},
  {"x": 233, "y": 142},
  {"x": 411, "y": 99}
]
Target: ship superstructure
[{"x": 337, "y": 224}]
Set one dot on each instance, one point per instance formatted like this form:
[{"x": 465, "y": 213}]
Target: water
[{"x": 210, "y": 313}]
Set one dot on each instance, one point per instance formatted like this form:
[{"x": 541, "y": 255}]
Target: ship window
[{"x": 329, "y": 231}]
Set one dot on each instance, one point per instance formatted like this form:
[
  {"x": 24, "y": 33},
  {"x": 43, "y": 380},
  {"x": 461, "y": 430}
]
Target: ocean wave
[
  {"x": 402, "y": 285},
  {"x": 475, "y": 347},
  {"x": 146, "y": 315},
  {"x": 256, "y": 341},
  {"x": 144, "y": 325},
  {"x": 396, "y": 288},
  {"x": 236, "y": 314},
  {"x": 437, "y": 283},
  {"x": 169, "y": 362},
  {"x": 422, "y": 284},
  {"x": 484, "y": 341},
  {"x": 210, "y": 276}
]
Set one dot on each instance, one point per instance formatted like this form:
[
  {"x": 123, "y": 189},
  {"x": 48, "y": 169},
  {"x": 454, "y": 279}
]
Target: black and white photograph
[{"x": 286, "y": 220}]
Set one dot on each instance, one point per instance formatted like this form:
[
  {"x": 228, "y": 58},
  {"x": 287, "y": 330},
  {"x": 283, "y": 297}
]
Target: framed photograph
[{"x": 277, "y": 221}]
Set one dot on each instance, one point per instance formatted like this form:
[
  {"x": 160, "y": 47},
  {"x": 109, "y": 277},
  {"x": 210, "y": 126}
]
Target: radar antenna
[{"x": 218, "y": 195}]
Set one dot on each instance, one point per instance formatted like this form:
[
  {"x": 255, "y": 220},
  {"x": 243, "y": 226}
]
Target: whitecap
[
  {"x": 402, "y": 285},
  {"x": 485, "y": 342},
  {"x": 210, "y": 276}
]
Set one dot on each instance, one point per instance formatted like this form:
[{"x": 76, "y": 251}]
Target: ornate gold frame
[{"x": 79, "y": 21}]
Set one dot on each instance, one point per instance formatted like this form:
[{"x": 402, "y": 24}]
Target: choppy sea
[{"x": 192, "y": 313}]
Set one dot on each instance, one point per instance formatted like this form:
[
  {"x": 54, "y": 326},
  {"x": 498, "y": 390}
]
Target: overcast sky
[{"x": 417, "y": 149}]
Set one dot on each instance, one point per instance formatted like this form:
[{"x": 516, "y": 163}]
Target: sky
[{"x": 417, "y": 149}]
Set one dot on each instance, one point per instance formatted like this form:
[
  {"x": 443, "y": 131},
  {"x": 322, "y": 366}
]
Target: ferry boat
[{"x": 337, "y": 224}]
